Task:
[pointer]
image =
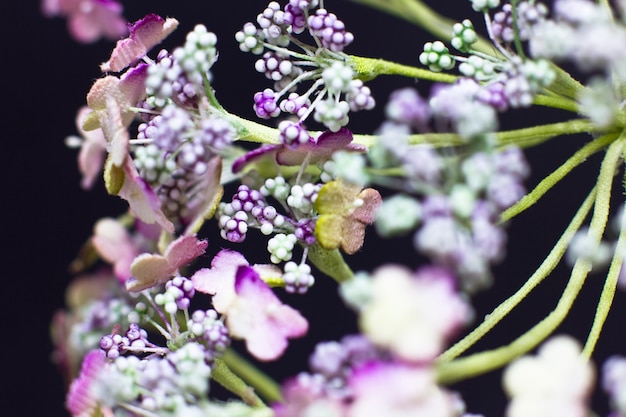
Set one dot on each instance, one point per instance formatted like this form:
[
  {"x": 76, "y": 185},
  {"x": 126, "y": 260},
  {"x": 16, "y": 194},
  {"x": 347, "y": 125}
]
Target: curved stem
[
  {"x": 556, "y": 102},
  {"x": 606, "y": 298},
  {"x": 479, "y": 363},
  {"x": 557, "y": 175},
  {"x": 531, "y": 136},
  {"x": 233, "y": 370},
  {"x": 418, "y": 13},
  {"x": 546, "y": 267}
]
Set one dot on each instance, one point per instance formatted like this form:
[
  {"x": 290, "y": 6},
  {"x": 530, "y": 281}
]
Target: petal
[
  {"x": 184, "y": 250},
  {"x": 252, "y": 156},
  {"x": 328, "y": 230},
  {"x": 114, "y": 245},
  {"x": 366, "y": 212},
  {"x": 219, "y": 280},
  {"x": 142, "y": 201},
  {"x": 258, "y": 317},
  {"x": 352, "y": 236},
  {"x": 208, "y": 193},
  {"x": 115, "y": 132},
  {"x": 92, "y": 150},
  {"x": 144, "y": 34},
  {"x": 148, "y": 270}
]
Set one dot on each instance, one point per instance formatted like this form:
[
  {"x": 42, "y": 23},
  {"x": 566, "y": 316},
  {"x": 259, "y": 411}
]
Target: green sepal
[{"x": 330, "y": 262}]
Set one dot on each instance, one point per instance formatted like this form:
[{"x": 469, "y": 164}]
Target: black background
[{"x": 47, "y": 216}]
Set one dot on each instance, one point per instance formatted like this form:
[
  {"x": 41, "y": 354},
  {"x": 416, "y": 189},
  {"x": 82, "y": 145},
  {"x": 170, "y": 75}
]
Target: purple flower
[
  {"x": 318, "y": 149},
  {"x": 258, "y": 317},
  {"x": 219, "y": 280}
]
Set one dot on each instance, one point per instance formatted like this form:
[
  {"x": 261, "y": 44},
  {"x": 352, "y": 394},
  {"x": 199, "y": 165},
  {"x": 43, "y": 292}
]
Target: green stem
[
  {"x": 482, "y": 362},
  {"x": 557, "y": 175},
  {"x": 564, "y": 84},
  {"x": 606, "y": 298},
  {"x": 525, "y": 138},
  {"x": 608, "y": 291},
  {"x": 267, "y": 388},
  {"x": 546, "y": 267},
  {"x": 556, "y": 102},
  {"x": 531, "y": 136},
  {"x": 369, "y": 68},
  {"x": 330, "y": 262},
  {"x": 418, "y": 13}
]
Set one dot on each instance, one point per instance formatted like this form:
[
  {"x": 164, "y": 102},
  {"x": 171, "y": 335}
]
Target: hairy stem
[
  {"x": 557, "y": 175},
  {"x": 369, "y": 68},
  {"x": 266, "y": 387},
  {"x": 546, "y": 267},
  {"x": 482, "y": 362}
]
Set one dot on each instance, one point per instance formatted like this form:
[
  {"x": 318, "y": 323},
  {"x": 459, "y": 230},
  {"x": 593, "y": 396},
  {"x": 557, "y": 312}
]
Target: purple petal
[
  {"x": 241, "y": 162},
  {"x": 144, "y": 34}
]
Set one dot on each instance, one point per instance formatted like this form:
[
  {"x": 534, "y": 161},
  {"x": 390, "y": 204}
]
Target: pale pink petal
[
  {"x": 126, "y": 91},
  {"x": 389, "y": 389},
  {"x": 50, "y": 8},
  {"x": 114, "y": 245},
  {"x": 90, "y": 20},
  {"x": 208, "y": 192},
  {"x": 142, "y": 201},
  {"x": 258, "y": 317},
  {"x": 219, "y": 280},
  {"x": 115, "y": 132},
  {"x": 147, "y": 271},
  {"x": 144, "y": 34},
  {"x": 92, "y": 150},
  {"x": 184, "y": 250}
]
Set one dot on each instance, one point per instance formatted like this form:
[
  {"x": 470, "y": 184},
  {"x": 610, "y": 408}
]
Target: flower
[
  {"x": 114, "y": 244},
  {"x": 149, "y": 269},
  {"x": 219, "y": 280},
  {"x": 144, "y": 35},
  {"x": 89, "y": 20},
  {"x": 412, "y": 314},
  {"x": 257, "y": 316},
  {"x": 81, "y": 401},
  {"x": 556, "y": 382},
  {"x": 313, "y": 151},
  {"x": 398, "y": 390},
  {"x": 344, "y": 211}
]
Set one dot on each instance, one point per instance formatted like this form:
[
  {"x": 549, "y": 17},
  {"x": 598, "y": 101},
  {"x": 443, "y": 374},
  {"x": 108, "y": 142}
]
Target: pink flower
[
  {"x": 305, "y": 395},
  {"x": 389, "y": 389},
  {"x": 89, "y": 20},
  {"x": 316, "y": 150},
  {"x": 92, "y": 149},
  {"x": 144, "y": 35},
  {"x": 257, "y": 316},
  {"x": 413, "y": 315},
  {"x": 219, "y": 280},
  {"x": 80, "y": 400},
  {"x": 115, "y": 245},
  {"x": 149, "y": 269}
]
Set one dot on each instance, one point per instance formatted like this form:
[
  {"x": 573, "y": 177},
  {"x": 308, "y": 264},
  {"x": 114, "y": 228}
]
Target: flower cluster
[
  {"x": 335, "y": 89},
  {"x": 165, "y": 312}
]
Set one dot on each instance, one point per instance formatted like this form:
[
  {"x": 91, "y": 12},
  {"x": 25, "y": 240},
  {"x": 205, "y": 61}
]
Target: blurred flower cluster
[{"x": 166, "y": 291}]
